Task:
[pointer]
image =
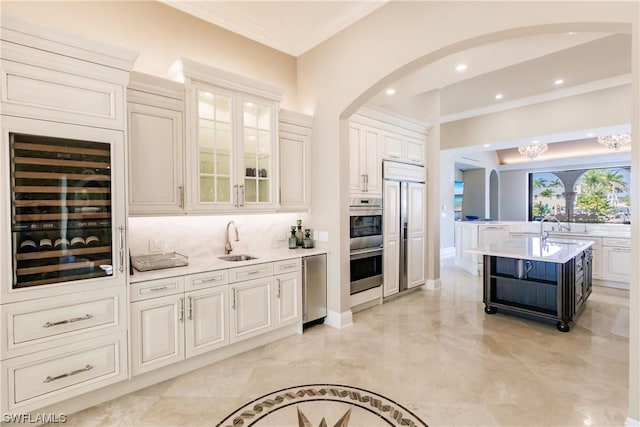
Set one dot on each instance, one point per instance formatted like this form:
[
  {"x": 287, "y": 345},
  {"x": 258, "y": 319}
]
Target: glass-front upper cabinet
[
  {"x": 235, "y": 139},
  {"x": 66, "y": 206}
]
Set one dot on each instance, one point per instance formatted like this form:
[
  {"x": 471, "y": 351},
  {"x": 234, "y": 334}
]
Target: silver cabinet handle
[
  {"x": 181, "y": 318},
  {"x": 233, "y": 304},
  {"x": 190, "y": 308},
  {"x": 64, "y": 322},
  {"x": 181, "y": 196},
  {"x": 621, "y": 249},
  {"x": 280, "y": 196},
  {"x": 366, "y": 182},
  {"x": 242, "y": 202},
  {"x": 235, "y": 199},
  {"x": 121, "y": 251},
  {"x": 363, "y": 184},
  {"x": 278, "y": 289},
  {"x": 209, "y": 280},
  {"x": 68, "y": 374},
  {"x": 394, "y": 156},
  {"x": 287, "y": 267},
  {"x": 159, "y": 288}
]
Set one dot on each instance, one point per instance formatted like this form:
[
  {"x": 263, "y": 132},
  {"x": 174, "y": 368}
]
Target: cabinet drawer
[
  {"x": 35, "y": 324},
  {"x": 256, "y": 271},
  {"x": 287, "y": 266},
  {"x": 40, "y": 379},
  {"x": 623, "y": 243},
  {"x": 156, "y": 288},
  {"x": 206, "y": 280}
]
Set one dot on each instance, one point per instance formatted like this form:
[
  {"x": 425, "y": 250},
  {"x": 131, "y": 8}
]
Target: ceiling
[{"x": 524, "y": 70}]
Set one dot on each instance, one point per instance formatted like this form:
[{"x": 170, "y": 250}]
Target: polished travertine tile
[{"x": 436, "y": 352}]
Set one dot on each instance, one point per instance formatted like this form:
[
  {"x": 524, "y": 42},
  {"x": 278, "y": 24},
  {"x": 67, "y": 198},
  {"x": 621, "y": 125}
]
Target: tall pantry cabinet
[{"x": 62, "y": 215}]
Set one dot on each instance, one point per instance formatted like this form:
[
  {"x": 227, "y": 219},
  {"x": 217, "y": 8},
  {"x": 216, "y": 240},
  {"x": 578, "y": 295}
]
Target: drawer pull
[
  {"x": 64, "y": 322},
  {"x": 68, "y": 374},
  {"x": 212, "y": 279},
  {"x": 287, "y": 267},
  {"x": 159, "y": 288},
  {"x": 253, "y": 272}
]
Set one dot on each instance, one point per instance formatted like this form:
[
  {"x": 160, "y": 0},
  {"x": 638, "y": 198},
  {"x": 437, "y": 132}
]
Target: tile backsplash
[{"x": 203, "y": 236}]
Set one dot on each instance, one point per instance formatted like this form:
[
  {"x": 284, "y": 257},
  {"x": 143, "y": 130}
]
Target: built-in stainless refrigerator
[
  {"x": 314, "y": 289},
  {"x": 404, "y": 213}
]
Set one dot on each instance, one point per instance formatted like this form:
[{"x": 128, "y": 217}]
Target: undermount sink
[{"x": 237, "y": 257}]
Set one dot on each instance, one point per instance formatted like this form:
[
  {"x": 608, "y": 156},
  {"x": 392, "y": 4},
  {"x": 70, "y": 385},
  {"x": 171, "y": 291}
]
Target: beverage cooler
[{"x": 66, "y": 225}]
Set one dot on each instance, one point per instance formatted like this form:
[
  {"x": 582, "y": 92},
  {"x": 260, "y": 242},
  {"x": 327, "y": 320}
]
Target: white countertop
[
  {"x": 578, "y": 230},
  {"x": 532, "y": 248},
  {"x": 203, "y": 264}
]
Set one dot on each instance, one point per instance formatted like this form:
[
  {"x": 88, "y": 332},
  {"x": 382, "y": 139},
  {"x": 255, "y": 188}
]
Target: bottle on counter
[
  {"x": 293, "y": 242},
  {"x": 307, "y": 243},
  {"x": 299, "y": 236}
]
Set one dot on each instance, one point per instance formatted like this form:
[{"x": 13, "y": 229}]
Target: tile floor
[{"x": 435, "y": 352}]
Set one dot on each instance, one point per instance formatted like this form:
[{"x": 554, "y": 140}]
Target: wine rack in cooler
[{"x": 61, "y": 213}]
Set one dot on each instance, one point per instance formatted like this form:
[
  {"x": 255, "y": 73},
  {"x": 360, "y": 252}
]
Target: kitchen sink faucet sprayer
[
  {"x": 227, "y": 244},
  {"x": 543, "y": 236}
]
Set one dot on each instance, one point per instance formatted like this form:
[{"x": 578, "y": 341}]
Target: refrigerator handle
[{"x": 304, "y": 289}]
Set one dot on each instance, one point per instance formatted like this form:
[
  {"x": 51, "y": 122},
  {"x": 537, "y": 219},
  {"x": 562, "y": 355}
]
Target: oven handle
[
  {"x": 365, "y": 253},
  {"x": 368, "y": 211}
]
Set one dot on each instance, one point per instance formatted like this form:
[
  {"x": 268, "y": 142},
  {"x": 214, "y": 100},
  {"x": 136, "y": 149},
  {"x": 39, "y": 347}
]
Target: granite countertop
[
  {"x": 532, "y": 248},
  {"x": 204, "y": 264}
]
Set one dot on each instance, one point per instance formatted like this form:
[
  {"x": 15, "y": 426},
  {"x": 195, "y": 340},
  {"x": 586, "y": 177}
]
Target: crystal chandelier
[
  {"x": 615, "y": 142},
  {"x": 533, "y": 150}
]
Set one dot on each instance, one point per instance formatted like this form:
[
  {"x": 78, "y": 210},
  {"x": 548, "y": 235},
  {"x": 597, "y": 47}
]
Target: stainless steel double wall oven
[{"x": 365, "y": 231}]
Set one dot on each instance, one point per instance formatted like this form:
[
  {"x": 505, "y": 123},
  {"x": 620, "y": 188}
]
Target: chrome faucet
[
  {"x": 227, "y": 244},
  {"x": 543, "y": 236}
]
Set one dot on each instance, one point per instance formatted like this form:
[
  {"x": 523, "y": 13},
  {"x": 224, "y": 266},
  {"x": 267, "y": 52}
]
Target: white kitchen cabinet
[
  {"x": 288, "y": 298},
  {"x": 294, "y": 165},
  {"x": 251, "y": 308},
  {"x": 397, "y": 146},
  {"x": 416, "y": 208},
  {"x": 365, "y": 167},
  {"x": 413, "y": 150},
  {"x": 616, "y": 261},
  {"x": 231, "y": 140},
  {"x": 391, "y": 238},
  {"x": 469, "y": 235},
  {"x": 206, "y": 326},
  {"x": 156, "y": 146},
  {"x": 157, "y": 333}
]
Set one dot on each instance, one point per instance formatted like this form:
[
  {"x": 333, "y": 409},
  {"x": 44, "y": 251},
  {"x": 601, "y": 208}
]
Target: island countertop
[{"x": 533, "y": 248}]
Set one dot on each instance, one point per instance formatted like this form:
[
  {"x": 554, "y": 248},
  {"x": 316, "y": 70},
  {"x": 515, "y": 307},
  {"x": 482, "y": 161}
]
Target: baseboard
[
  {"x": 447, "y": 252},
  {"x": 630, "y": 422},
  {"x": 611, "y": 284},
  {"x": 432, "y": 284},
  {"x": 339, "y": 320}
]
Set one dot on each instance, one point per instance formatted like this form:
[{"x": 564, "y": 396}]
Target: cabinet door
[
  {"x": 391, "y": 146},
  {"x": 616, "y": 263},
  {"x": 391, "y": 238},
  {"x": 256, "y": 151},
  {"x": 288, "y": 305},
  {"x": 157, "y": 333},
  {"x": 212, "y": 158},
  {"x": 251, "y": 308},
  {"x": 414, "y": 150},
  {"x": 356, "y": 156},
  {"x": 294, "y": 168},
  {"x": 373, "y": 161},
  {"x": 416, "y": 207},
  {"x": 488, "y": 234},
  {"x": 155, "y": 160},
  {"x": 206, "y": 325}
]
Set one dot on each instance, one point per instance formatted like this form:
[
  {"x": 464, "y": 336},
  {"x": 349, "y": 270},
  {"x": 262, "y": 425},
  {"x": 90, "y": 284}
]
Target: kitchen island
[{"x": 545, "y": 278}]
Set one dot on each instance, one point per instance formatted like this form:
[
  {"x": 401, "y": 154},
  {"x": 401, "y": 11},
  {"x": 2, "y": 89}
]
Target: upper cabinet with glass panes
[{"x": 232, "y": 140}]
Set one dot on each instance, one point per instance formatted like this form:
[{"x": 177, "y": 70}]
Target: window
[{"x": 596, "y": 195}]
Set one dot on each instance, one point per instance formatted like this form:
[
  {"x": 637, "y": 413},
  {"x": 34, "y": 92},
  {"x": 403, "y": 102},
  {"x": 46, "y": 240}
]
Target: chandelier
[
  {"x": 615, "y": 142},
  {"x": 533, "y": 150}
]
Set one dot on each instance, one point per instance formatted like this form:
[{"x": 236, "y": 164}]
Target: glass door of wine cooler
[{"x": 61, "y": 210}]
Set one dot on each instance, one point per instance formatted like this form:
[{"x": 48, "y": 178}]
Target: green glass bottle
[{"x": 293, "y": 242}]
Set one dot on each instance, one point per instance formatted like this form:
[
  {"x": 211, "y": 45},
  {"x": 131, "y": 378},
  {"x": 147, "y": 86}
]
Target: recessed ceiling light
[
  {"x": 571, "y": 33},
  {"x": 558, "y": 82},
  {"x": 499, "y": 96},
  {"x": 461, "y": 67},
  {"x": 487, "y": 145},
  {"x": 591, "y": 134},
  {"x": 390, "y": 92},
  {"x": 535, "y": 142}
]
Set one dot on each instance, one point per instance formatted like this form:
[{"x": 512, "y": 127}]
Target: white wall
[
  {"x": 475, "y": 188},
  {"x": 514, "y": 195}
]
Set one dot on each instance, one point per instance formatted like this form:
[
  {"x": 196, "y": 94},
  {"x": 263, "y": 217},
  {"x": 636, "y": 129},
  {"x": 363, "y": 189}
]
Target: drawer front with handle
[
  {"x": 34, "y": 325},
  {"x": 287, "y": 266},
  {"x": 256, "y": 271},
  {"x": 622, "y": 243},
  {"x": 65, "y": 372},
  {"x": 156, "y": 288},
  {"x": 206, "y": 280}
]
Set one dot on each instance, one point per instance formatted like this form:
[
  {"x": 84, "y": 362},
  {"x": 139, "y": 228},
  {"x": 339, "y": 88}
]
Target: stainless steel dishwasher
[{"x": 314, "y": 289}]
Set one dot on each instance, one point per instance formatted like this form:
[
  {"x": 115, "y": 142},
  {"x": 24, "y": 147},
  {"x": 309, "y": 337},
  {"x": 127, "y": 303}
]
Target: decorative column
[{"x": 569, "y": 200}]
